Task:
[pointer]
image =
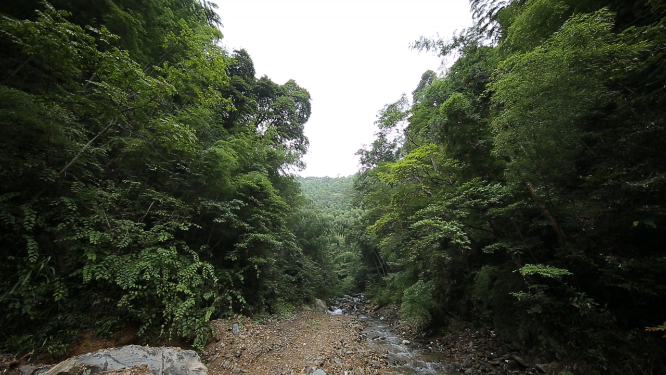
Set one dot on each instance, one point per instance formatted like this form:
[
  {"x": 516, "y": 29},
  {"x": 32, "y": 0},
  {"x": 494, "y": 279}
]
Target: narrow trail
[{"x": 298, "y": 345}]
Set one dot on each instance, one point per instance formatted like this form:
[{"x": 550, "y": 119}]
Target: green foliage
[
  {"x": 526, "y": 189},
  {"x": 142, "y": 186},
  {"x": 545, "y": 271},
  {"x": 416, "y": 303},
  {"x": 533, "y": 22},
  {"x": 329, "y": 193},
  {"x": 330, "y": 221},
  {"x": 285, "y": 310},
  {"x": 567, "y": 71}
]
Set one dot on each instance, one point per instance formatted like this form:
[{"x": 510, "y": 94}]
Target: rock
[
  {"x": 519, "y": 360},
  {"x": 511, "y": 364},
  {"x": 320, "y": 306},
  {"x": 319, "y": 372},
  {"x": 159, "y": 361},
  {"x": 27, "y": 369},
  {"x": 405, "y": 342},
  {"x": 487, "y": 368},
  {"x": 42, "y": 370},
  {"x": 235, "y": 329},
  {"x": 135, "y": 370},
  {"x": 64, "y": 367},
  {"x": 359, "y": 371}
]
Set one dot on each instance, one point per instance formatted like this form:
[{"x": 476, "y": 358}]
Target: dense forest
[
  {"x": 145, "y": 175},
  {"x": 148, "y": 180},
  {"x": 333, "y": 205},
  {"x": 524, "y": 188}
]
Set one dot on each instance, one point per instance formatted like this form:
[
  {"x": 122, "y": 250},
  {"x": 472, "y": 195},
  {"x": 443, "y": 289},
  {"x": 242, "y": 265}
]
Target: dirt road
[{"x": 297, "y": 345}]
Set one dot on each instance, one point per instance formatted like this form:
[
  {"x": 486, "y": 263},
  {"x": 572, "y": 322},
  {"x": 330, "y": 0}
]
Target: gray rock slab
[
  {"x": 319, "y": 372},
  {"x": 160, "y": 361}
]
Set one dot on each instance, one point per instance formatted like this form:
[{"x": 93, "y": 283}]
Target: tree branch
[{"x": 85, "y": 147}]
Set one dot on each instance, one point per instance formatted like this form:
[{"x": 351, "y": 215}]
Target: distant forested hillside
[
  {"x": 333, "y": 200},
  {"x": 331, "y": 193}
]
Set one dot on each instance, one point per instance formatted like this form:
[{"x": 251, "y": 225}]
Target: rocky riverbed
[{"x": 467, "y": 351}]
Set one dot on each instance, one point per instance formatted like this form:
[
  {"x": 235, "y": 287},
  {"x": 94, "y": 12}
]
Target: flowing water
[{"x": 402, "y": 358}]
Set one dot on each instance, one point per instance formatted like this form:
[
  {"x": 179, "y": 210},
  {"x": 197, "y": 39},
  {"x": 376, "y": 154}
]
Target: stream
[
  {"x": 470, "y": 351},
  {"x": 402, "y": 358}
]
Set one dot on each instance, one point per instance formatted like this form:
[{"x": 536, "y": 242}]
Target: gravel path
[{"x": 298, "y": 345}]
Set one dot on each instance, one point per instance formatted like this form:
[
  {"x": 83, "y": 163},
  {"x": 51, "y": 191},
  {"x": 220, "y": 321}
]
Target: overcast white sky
[{"x": 352, "y": 56}]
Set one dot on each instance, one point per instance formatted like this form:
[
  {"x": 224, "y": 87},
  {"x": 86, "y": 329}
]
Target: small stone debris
[{"x": 295, "y": 345}]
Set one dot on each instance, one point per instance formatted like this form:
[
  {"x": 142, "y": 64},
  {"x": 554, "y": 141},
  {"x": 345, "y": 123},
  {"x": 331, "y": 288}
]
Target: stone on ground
[{"x": 158, "y": 360}]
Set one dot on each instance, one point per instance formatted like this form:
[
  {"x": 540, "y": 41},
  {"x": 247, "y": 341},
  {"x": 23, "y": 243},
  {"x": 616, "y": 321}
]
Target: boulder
[
  {"x": 320, "y": 306},
  {"x": 159, "y": 361}
]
